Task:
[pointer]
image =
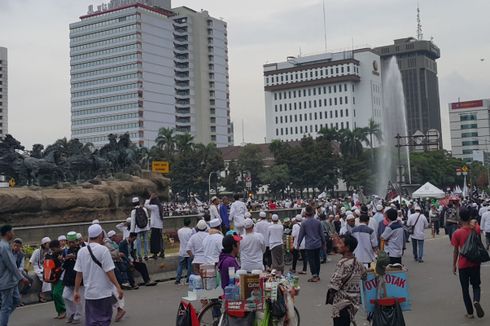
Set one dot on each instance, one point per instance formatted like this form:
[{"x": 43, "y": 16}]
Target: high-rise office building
[
  {"x": 3, "y": 92},
  {"x": 331, "y": 90},
  {"x": 137, "y": 66},
  {"x": 201, "y": 77},
  {"x": 470, "y": 128},
  {"x": 417, "y": 62}
]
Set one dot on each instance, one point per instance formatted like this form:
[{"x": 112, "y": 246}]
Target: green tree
[
  {"x": 374, "y": 131},
  {"x": 251, "y": 161},
  {"x": 231, "y": 181},
  {"x": 276, "y": 177},
  {"x": 183, "y": 142},
  {"x": 166, "y": 141}
]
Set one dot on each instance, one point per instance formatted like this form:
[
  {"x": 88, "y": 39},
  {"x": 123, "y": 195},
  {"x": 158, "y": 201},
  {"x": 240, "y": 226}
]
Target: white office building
[
  {"x": 201, "y": 77},
  {"x": 3, "y": 92},
  {"x": 470, "y": 128},
  {"x": 127, "y": 73},
  {"x": 332, "y": 90}
]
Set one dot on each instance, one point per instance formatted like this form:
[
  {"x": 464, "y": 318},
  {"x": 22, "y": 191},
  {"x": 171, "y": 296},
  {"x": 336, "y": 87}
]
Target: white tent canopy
[{"x": 428, "y": 190}]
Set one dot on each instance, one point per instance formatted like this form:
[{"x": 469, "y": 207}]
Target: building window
[
  {"x": 341, "y": 113},
  {"x": 336, "y": 114},
  {"x": 340, "y": 99},
  {"x": 470, "y": 126},
  {"x": 347, "y": 124},
  {"x": 277, "y": 120},
  {"x": 468, "y": 117},
  {"x": 469, "y": 134},
  {"x": 346, "y": 100},
  {"x": 277, "y": 132},
  {"x": 346, "y": 112},
  {"x": 470, "y": 143},
  {"x": 296, "y": 129}
]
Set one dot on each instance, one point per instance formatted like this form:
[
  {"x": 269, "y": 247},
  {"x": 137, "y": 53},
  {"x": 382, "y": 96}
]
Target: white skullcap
[
  {"x": 275, "y": 217},
  {"x": 248, "y": 215},
  {"x": 45, "y": 240},
  {"x": 248, "y": 223},
  {"x": 262, "y": 214},
  {"x": 358, "y": 212},
  {"x": 298, "y": 218},
  {"x": 94, "y": 230},
  {"x": 201, "y": 225},
  {"x": 128, "y": 220},
  {"x": 111, "y": 233},
  {"x": 79, "y": 236},
  {"x": 135, "y": 200},
  {"x": 61, "y": 238},
  {"x": 95, "y": 221},
  {"x": 350, "y": 217},
  {"x": 214, "y": 223},
  {"x": 379, "y": 208}
]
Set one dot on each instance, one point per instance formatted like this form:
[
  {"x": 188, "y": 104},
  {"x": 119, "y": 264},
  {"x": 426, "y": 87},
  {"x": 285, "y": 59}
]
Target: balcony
[{"x": 183, "y": 111}]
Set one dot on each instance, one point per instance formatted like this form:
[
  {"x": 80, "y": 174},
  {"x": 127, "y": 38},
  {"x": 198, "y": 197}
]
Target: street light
[{"x": 209, "y": 181}]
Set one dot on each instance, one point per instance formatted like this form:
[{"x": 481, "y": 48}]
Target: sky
[{"x": 36, "y": 35}]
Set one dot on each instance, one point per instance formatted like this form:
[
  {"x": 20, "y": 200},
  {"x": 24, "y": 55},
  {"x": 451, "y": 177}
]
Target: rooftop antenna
[
  {"x": 420, "y": 36},
  {"x": 325, "y": 26}
]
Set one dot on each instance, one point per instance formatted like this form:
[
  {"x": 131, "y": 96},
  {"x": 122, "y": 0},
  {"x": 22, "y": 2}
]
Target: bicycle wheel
[
  {"x": 211, "y": 313},
  {"x": 296, "y": 312}
]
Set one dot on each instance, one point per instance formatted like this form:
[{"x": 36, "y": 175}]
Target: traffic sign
[
  {"x": 248, "y": 178},
  {"x": 248, "y": 184},
  {"x": 160, "y": 167}
]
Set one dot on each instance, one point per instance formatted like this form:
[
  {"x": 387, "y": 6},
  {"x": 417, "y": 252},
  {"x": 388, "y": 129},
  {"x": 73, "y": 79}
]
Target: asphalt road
[{"x": 435, "y": 292}]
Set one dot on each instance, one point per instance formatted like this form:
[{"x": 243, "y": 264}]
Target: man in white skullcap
[
  {"x": 95, "y": 266},
  {"x": 252, "y": 248},
  {"x": 418, "y": 223},
  {"x": 238, "y": 209},
  {"x": 62, "y": 240},
  {"x": 298, "y": 248},
  {"x": 262, "y": 227},
  {"x": 37, "y": 262},
  {"x": 276, "y": 244},
  {"x": 125, "y": 228},
  {"x": 213, "y": 242},
  {"x": 194, "y": 248},
  {"x": 349, "y": 225}
]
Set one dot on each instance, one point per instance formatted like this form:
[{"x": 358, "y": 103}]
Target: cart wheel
[{"x": 210, "y": 314}]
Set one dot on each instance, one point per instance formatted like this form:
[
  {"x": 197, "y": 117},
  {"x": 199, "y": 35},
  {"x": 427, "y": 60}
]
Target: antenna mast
[
  {"x": 325, "y": 26},
  {"x": 420, "y": 36}
]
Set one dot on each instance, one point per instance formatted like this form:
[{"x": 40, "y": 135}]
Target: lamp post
[{"x": 209, "y": 181}]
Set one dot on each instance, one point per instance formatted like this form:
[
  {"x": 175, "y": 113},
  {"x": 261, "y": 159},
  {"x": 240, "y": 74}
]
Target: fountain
[{"x": 394, "y": 122}]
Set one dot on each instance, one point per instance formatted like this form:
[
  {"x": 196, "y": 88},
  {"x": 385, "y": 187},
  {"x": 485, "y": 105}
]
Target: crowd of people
[{"x": 93, "y": 272}]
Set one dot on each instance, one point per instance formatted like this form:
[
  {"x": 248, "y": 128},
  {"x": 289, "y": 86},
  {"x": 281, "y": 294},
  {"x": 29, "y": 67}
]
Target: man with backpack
[
  {"x": 73, "y": 310},
  {"x": 417, "y": 223},
  {"x": 140, "y": 226},
  {"x": 154, "y": 206},
  {"x": 52, "y": 274},
  {"x": 469, "y": 271}
]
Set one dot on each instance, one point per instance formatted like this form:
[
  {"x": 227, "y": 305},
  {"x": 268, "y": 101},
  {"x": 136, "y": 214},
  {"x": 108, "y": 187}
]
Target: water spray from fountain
[{"x": 394, "y": 122}]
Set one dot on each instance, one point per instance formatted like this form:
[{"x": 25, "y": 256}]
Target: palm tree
[
  {"x": 374, "y": 129},
  {"x": 166, "y": 141},
  {"x": 351, "y": 141},
  {"x": 183, "y": 142}
]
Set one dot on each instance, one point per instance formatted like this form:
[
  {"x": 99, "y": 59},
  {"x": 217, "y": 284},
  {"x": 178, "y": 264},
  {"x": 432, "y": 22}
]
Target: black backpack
[{"x": 141, "y": 218}]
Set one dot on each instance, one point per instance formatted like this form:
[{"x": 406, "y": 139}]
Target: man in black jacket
[
  {"x": 126, "y": 247},
  {"x": 73, "y": 310}
]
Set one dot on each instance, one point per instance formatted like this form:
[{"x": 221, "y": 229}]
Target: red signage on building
[{"x": 467, "y": 104}]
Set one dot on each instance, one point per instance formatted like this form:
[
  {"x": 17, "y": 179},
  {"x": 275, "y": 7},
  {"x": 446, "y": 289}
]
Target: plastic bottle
[{"x": 195, "y": 282}]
